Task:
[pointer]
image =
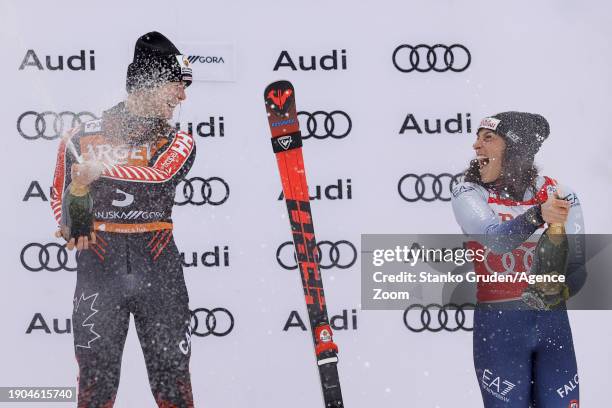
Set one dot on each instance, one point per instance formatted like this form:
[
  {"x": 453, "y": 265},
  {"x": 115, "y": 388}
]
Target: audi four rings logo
[
  {"x": 49, "y": 125},
  {"x": 340, "y": 254},
  {"x": 320, "y": 125},
  {"x": 200, "y": 191},
  {"x": 217, "y": 322},
  {"x": 51, "y": 257},
  {"x": 435, "y": 318},
  {"x": 518, "y": 260},
  {"x": 427, "y": 187},
  {"x": 425, "y": 58}
]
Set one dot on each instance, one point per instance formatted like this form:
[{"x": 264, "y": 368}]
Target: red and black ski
[{"x": 287, "y": 145}]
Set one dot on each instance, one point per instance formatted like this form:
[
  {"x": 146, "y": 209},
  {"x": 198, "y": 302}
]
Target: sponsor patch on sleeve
[
  {"x": 462, "y": 188},
  {"x": 93, "y": 126}
]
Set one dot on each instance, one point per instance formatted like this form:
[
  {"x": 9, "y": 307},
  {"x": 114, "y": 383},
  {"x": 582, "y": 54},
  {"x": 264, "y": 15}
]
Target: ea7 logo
[
  {"x": 285, "y": 141},
  {"x": 496, "y": 386}
]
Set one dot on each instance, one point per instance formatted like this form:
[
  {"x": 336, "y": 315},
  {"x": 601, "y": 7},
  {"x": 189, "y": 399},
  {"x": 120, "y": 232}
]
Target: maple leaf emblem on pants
[{"x": 84, "y": 311}]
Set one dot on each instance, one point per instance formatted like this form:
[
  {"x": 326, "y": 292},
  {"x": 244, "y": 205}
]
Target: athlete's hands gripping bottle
[
  {"x": 550, "y": 258},
  {"x": 77, "y": 203},
  {"x": 80, "y": 211}
]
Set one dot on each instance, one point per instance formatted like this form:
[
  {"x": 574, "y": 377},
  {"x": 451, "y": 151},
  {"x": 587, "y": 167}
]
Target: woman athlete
[{"x": 523, "y": 357}]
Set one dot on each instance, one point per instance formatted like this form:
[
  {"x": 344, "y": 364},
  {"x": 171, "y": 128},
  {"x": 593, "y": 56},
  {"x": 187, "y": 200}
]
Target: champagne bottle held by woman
[{"x": 550, "y": 258}]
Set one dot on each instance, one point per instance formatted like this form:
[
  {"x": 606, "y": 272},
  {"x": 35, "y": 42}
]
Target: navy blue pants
[{"x": 525, "y": 358}]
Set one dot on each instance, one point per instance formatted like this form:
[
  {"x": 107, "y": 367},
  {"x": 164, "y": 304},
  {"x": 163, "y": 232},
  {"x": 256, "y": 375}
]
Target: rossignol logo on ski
[
  {"x": 285, "y": 141},
  {"x": 279, "y": 97}
]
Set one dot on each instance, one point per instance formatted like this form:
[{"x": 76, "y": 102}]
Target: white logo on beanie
[
  {"x": 489, "y": 123},
  {"x": 513, "y": 136},
  {"x": 183, "y": 61},
  {"x": 186, "y": 71}
]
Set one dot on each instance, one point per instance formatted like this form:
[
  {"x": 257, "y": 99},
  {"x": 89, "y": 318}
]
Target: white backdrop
[{"x": 549, "y": 57}]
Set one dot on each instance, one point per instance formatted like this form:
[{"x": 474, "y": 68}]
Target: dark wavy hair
[{"x": 517, "y": 175}]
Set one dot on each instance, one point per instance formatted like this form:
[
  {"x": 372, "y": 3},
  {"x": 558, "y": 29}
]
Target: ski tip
[
  {"x": 280, "y": 84},
  {"x": 279, "y": 97}
]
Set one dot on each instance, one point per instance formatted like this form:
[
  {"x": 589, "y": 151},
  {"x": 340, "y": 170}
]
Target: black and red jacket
[{"x": 143, "y": 159}]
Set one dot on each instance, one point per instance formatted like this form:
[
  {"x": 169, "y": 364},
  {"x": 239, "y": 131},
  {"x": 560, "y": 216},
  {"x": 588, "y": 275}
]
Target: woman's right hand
[{"x": 555, "y": 210}]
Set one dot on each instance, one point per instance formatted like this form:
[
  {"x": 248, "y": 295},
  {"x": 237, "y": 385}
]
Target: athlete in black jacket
[{"x": 131, "y": 161}]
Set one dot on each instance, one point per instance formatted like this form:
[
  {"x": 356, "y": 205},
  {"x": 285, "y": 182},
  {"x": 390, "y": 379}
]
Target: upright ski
[{"x": 287, "y": 145}]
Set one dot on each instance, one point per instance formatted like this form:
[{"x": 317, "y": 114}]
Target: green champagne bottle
[
  {"x": 549, "y": 258},
  {"x": 80, "y": 210}
]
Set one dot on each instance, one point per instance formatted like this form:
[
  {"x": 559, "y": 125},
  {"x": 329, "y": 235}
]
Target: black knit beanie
[
  {"x": 523, "y": 132},
  {"x": 156, "y": 61}
]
